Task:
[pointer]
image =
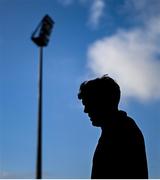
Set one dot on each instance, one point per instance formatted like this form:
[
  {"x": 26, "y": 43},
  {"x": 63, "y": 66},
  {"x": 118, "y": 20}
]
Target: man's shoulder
[
  {"x": 133, "y": 129},
  {"x": 130, "y": 125}
]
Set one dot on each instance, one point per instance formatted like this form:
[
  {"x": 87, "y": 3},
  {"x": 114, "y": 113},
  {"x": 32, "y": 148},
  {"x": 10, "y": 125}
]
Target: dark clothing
[{"x": 120, "y": 153}]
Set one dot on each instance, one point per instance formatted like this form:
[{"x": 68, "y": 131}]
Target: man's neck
[{"x": 110, "y": 120}]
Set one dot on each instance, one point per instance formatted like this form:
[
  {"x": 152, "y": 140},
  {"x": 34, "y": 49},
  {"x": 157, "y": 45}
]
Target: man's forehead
[{"x": 91, "y": 99}]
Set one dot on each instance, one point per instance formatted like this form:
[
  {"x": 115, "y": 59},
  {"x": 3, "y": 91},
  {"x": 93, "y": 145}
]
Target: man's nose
[{"x": 85, "y": 110}]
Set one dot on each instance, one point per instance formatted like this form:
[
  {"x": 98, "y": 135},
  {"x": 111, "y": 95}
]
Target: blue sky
[{"x": 90, "y": 38}]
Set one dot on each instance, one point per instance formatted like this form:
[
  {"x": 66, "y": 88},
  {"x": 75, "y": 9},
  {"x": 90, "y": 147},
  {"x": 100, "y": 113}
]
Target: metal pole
[{"x": 39, "y": 140}]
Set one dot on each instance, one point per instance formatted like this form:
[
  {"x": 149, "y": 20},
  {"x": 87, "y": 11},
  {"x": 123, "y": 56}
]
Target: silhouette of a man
[{"x": 120, "y": 153}]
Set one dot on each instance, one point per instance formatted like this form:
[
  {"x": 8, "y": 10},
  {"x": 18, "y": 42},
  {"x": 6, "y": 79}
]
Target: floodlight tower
[{"x": 41, "y": 38}]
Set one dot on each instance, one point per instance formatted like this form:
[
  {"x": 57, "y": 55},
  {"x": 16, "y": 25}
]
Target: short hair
[{"x": 104, "y": 88}]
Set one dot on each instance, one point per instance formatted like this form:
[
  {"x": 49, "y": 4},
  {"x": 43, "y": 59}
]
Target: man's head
[{"x": 100, "y": 98}]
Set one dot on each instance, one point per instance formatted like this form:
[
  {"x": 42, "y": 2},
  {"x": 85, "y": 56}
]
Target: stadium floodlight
[
  {"x": 43, "y": 31},
  {"x": 41, "y": 37}
]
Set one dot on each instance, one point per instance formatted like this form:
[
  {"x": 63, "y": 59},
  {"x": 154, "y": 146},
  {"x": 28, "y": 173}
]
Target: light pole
[{"x": 41, "y": 38}]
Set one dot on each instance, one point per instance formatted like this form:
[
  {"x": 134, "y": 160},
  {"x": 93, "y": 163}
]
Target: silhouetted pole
[
  {"x": 40, "y": 103},
  {"x": 41, "y": 37}
]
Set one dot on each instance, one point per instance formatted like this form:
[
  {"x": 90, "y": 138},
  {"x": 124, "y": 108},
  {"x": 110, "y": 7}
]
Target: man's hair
[{"x": 104, "y": 88}]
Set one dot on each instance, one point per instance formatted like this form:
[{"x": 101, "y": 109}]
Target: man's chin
[{"x": 95, "y": 124}]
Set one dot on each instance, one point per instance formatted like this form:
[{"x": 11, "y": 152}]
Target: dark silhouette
[{"x": 120, "y": 153}]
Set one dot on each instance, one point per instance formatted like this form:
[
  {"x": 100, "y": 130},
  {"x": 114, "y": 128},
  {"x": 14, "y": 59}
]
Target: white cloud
[
  {"x": 96, "y": 12},
  {"x": 139, "y": 11},
  {"x": 131, "y": 57},
  {"x": 96, "y": 9}
]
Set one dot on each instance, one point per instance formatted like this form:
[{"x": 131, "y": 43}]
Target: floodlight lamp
[{"x": 43, "y": 31}]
